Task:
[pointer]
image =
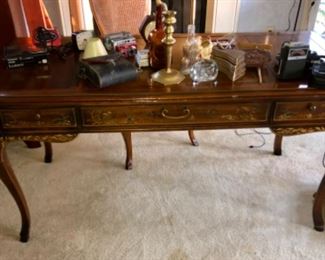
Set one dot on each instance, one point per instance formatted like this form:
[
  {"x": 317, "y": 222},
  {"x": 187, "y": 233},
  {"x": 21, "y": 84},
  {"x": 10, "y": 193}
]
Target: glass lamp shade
[{"x": 94, "y": 48}]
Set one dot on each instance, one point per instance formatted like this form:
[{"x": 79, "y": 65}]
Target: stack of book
[
  {"x": 230, "y": 61},
  {"x": 142, "y": 58}
]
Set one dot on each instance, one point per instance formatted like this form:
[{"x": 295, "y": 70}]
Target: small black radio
[
  {"x": 292, "y": 60},
  {"x": 16, "y": 56},
  {"x": 317, "y": 78}
]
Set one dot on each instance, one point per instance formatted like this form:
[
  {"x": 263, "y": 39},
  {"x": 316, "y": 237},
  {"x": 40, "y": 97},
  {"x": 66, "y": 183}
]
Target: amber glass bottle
[{"x": 157, "y": 49}]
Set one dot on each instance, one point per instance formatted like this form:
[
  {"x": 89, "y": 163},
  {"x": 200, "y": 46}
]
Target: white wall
[
  {"x": 59, "y": 13},
  {"x": 54, "y": 13},
  {"x": 260, "y": 15},
  {"x": 222, "y": 16}
]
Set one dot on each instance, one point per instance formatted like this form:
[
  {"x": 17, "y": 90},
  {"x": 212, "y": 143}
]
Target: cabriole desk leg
[
  {"x": 277, "y": 148},
  {"x": 192, "y": 138},
  {"x": 128, "y": 145},
  {"x": 318, "y": 207},
  {"x": 48, "y": 152},
  {"x": 9, "y": 179}
]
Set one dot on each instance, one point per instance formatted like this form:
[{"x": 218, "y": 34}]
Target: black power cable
[
  {"x": 289, "y": 15},
  {"x": 255, "y": 132},
  {"x": 297, "y": 16},
  {"x": 298, "y": 12}
]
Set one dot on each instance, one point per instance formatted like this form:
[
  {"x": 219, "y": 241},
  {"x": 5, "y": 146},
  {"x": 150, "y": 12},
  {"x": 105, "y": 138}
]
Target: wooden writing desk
[{"x": 49, "y": 103}]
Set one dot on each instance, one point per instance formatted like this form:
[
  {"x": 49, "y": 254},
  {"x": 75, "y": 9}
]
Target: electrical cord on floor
[{"x": 255, "y": 132}]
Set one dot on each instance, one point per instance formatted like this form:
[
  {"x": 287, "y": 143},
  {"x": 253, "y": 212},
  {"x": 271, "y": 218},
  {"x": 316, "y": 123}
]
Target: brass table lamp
[{"x": 169, "y": 76}]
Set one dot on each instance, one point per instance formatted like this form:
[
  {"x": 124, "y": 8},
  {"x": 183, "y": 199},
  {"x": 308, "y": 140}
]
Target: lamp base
[{"x": 168, "y": 78}]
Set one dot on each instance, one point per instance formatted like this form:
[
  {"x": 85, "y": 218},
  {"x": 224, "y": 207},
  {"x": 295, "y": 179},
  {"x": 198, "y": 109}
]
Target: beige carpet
[{"x": 220, "y": 200}]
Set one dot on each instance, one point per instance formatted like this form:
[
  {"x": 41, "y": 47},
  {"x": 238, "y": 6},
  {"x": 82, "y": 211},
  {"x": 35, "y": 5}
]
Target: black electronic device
[
  {"x": 317, "y": 77},
  {"x": 292, "y": 60},
  {"x": 16, "y": 56}
]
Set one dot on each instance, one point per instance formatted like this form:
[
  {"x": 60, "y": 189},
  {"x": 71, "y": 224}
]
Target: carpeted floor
[{"x": 221, "y": 200}]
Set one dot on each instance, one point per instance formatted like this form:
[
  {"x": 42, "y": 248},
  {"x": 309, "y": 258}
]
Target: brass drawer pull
[
  {"x": 312, "y": 107},
  {"x": 186, "y": 112},
  {"x": 38, "y": 116}
]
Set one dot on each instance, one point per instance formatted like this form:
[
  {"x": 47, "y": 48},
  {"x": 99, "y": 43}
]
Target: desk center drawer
[
  {"x": 38, "y": 118},
  {"x": 174, "y": 114}
]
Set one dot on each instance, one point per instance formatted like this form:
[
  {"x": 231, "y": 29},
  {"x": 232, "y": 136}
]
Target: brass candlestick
[{"x": 169, "y": 76}]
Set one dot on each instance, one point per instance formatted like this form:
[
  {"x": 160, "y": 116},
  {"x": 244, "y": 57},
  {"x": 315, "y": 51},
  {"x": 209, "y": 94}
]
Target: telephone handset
[{"x": 44, "y": 37}]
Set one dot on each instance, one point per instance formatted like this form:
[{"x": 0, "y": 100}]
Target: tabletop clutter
[
  {"x": 116, "y": 57},
  {"x": 202, "y": 58}
]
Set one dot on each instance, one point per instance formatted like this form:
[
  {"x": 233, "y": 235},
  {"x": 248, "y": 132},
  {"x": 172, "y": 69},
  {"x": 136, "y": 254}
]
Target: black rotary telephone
[{"x": 46, "y": 37}]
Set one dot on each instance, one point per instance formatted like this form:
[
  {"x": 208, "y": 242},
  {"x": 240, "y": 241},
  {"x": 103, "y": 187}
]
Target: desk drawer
[
  {"x": 174, "y": 114},
  {"x": 299, "y": 111},
  {"x": 38, "y": 118}
]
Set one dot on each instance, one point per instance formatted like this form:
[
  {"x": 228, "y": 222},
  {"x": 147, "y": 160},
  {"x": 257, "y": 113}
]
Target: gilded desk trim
[
  {"x": 287, "y": 131},
  {"x": 55, "y": 138}
]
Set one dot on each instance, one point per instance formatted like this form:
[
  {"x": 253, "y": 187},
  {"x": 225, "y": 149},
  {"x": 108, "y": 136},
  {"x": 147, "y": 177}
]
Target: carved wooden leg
[
  {"x": 277, "y": 150},
  {"x": 259, "y": 73},
  {"x": 318, "y": 206},
  {"x": 9, "y": 179},
  {"x": 48, "y": 152},
  {"x": 192, "y": 138},
  {"x": 128, "y": 145}
]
